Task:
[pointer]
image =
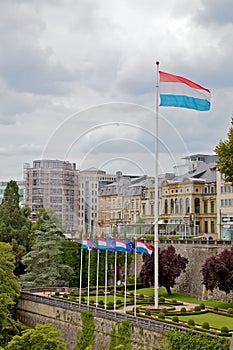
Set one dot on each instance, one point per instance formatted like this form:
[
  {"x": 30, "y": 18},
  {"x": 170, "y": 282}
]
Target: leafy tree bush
[
  {"x": 161, "y": 315},
  {"x": 183, "y": 310},
  {"x": 86, "y": 337},
  {"x": 224, "y": 329},
  {"x": 191, "y": 322},
  {"x": 171, "y": 265},
  {"x": 118, "y": 301},
  {"x": 230, "y": 311},
  {"x": 217, "y": 271},
  {"x": 161, "y": 299},
  {"x": 42, "y": 337},
  {"x": 215, "y": 308},
  {"x": 175, "y": 319},
  {"x": 101, "y": 303},
  {"x": 202, "y": 306},
  {"x": 148, "y": 312},
  {"x": 205, "y": 325},
  {"x": 197, "y": 308}
]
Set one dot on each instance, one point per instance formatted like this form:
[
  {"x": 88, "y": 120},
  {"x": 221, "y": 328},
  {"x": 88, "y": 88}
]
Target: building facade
[{"x": 54, "y": 184}]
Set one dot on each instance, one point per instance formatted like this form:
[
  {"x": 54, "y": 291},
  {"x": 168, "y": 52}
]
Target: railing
[
  {"x": 98, "y": 312},
  {"x": 198, "y": 242}
]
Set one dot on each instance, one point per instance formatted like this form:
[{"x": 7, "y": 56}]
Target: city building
[
  {"x": 54, "y": 184},
  {"x": 224, "y": 208}
]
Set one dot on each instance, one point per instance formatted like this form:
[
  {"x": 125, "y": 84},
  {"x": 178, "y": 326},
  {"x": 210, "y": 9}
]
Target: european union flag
[
  {"x": 110, "y": 244},
  {"x": 130, "y": 246}
]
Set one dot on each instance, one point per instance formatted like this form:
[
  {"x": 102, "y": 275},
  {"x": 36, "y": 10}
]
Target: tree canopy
[
  {"x": 171, "y": 265},
  {"x": 43, "y": 337},
  {"x": 43, "y": 264},
  {"x": 9, "y": 293},
  {"x": 224, "y": 150},
  {"x": 217, "y": 271}
]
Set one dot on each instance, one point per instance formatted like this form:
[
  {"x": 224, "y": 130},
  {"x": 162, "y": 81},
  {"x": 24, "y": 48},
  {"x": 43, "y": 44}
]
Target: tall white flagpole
[
  {"x": 97, "y": 278},
  {"x": 80, "y": 276},
  {"x": 106, "y": 279},
  {"x": 156, "y": 203},
  {"x": 135, "y": 277},
  {"x": 125, "y": 282},
  {"x": 88, "y": 277},
  {"x": 115, "y": 280}
]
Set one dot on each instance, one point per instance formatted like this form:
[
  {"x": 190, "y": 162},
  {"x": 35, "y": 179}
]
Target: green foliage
[
  {"x": 86, "y": 337},
  {"x": 161, "y": 299},
  {"x": 197, "y": 308},
  {"x": 122, "y": 338},
  {"x": 191, "y": 322},
  {"x": 224, "y": 150},
  {"x": 175, "y": 319},
  {"x": 183, "y": 310},
  {"x": 230, "y": 311},
  {"x": 205, "y": 325},
  {"x": 202, "y": 306},
  {"x": 14, "y": 224},
  {"x": 43, "y": 264},
  {"x": 161, "y": 315},
  {"x": 9, "y": 293},
  {"x": 224, "y": 329},
  {"x": 148, "y": 312},
  {"x": 71, "y": 256},
  {"x": 42, "y": 338},
  {"x": 188, "y": 341}
]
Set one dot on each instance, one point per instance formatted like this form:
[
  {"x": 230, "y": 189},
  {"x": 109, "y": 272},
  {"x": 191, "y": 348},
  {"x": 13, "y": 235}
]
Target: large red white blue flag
[
  {"x": 143, "y": 247},
  {"x": 176, "y": 91}
]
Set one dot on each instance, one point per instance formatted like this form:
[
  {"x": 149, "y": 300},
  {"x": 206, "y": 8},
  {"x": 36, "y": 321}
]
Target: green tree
[
  {"x": 72, "y": 257},
  {"x": 86, "y": 337},
  {"x": 224, "y": 150},
  {"x": 9, "y": 293},
  {"x": 44, "y": 337},
  {"x": 43, "y": 264},
  {"x": 14, "y": 223}
]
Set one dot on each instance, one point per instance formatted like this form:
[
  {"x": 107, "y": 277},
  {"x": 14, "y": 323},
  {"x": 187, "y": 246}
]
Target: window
[
  {"x": 152, "y": 209},
  {"x": 212, "y": 227},
  {"x": 212, "y": 206},
  {"x": 205, "y": 207},
  {"x": 181, "y": 206},
  {"x": 165, "y": 207},
  {"x": 172, "y": 206},
  {"x": 206, "y": 227},
  {"x": 197, "y": 205},
  {"x": 143, "y": 209},
  {"x": 187, "y": 204},
  {"x": 176, "y": 206}
]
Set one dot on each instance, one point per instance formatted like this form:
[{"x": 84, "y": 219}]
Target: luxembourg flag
[
  {"x": 120, "y": 246},
  {"x": 143, "y": 248},
  {"x": 88, "y": 244},
  {"x": 176, "y": 91},
  {"x": 102, "y": 243}
]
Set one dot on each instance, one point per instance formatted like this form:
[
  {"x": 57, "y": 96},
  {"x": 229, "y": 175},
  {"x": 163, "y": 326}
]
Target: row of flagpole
[{"x": 112, "y": 245}]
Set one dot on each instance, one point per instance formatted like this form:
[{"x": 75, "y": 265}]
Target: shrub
[
  {"x": 175, "y": 319},
  {"x": 101, "y": 302},
  {"x": 151, "y": 299},
  {"x": 57, "y": 294},
  {"x": 137, "y": 310},
  {"x": 191, "y": 322},
  {"x": 161, "y": 299},
  {"x": 197, "y": 308},
  {"x": 183, "y": 310},
  {"x": 92, "y": 302},
  {"x": 148, "y": 312},
  {"x": 141, "y": 296},
  {"x": 161, "y": 315},
  {"x": 65, "y": 296},
  {"x": 224, "y": 329},
  {"x": 215, "y": 308},
  {"x": 110, "y": 305},
  {"x": 174, "y": 301},
  {"x": 83, "y": 299},
  {"x": 118, "y": 301},
  {"x": 164, "y": 311},
  {"x": 230, "y": 311},
  {"x": 206, "y": 325},
  {"x": 202, "y": 306}
]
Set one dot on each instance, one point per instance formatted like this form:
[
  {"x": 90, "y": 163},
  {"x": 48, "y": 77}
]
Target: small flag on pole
[
  {"x": 102, "y": 244},
  {"x": 130, "y": 246},
  {"x": 87, "y": 243},
  {"x": 111, "y": 244},
  {"x": 176, "y": 91},
  {"x": 143, "y": 248},
  {"x": 120, "y": 246}
]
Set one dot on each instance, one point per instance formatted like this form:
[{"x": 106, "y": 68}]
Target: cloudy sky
[{"x": 77, "y": 81}]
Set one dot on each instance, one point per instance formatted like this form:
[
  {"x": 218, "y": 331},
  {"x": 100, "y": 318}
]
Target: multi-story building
[
  {"x": 22, "y": 191},
  {"x": 224, "y": 208},
  {"x": 54, "y": 184},
  {"x": 191, "y": 200},
  {"x": 89, "y": 183}
]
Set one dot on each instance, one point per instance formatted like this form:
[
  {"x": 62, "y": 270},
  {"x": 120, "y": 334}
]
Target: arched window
[
  {"x": 165, "y": 206},
  {"x": 187, "y": 204},
  {"x": 176, "y": 206},
  {"x": 181, "y": 206},
  {"x": 197, "y": 205},
  {"x": 172, "y": 206}
]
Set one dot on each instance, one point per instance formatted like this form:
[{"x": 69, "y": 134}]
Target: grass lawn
[
  {"x": 214, "y": 320},
  {"x": 185, "y": 298},
  {"x": 110, "y": 297}
]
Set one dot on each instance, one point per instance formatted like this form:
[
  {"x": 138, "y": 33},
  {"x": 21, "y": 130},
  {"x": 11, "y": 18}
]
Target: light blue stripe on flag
[{"x": 184, "y": 102}]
